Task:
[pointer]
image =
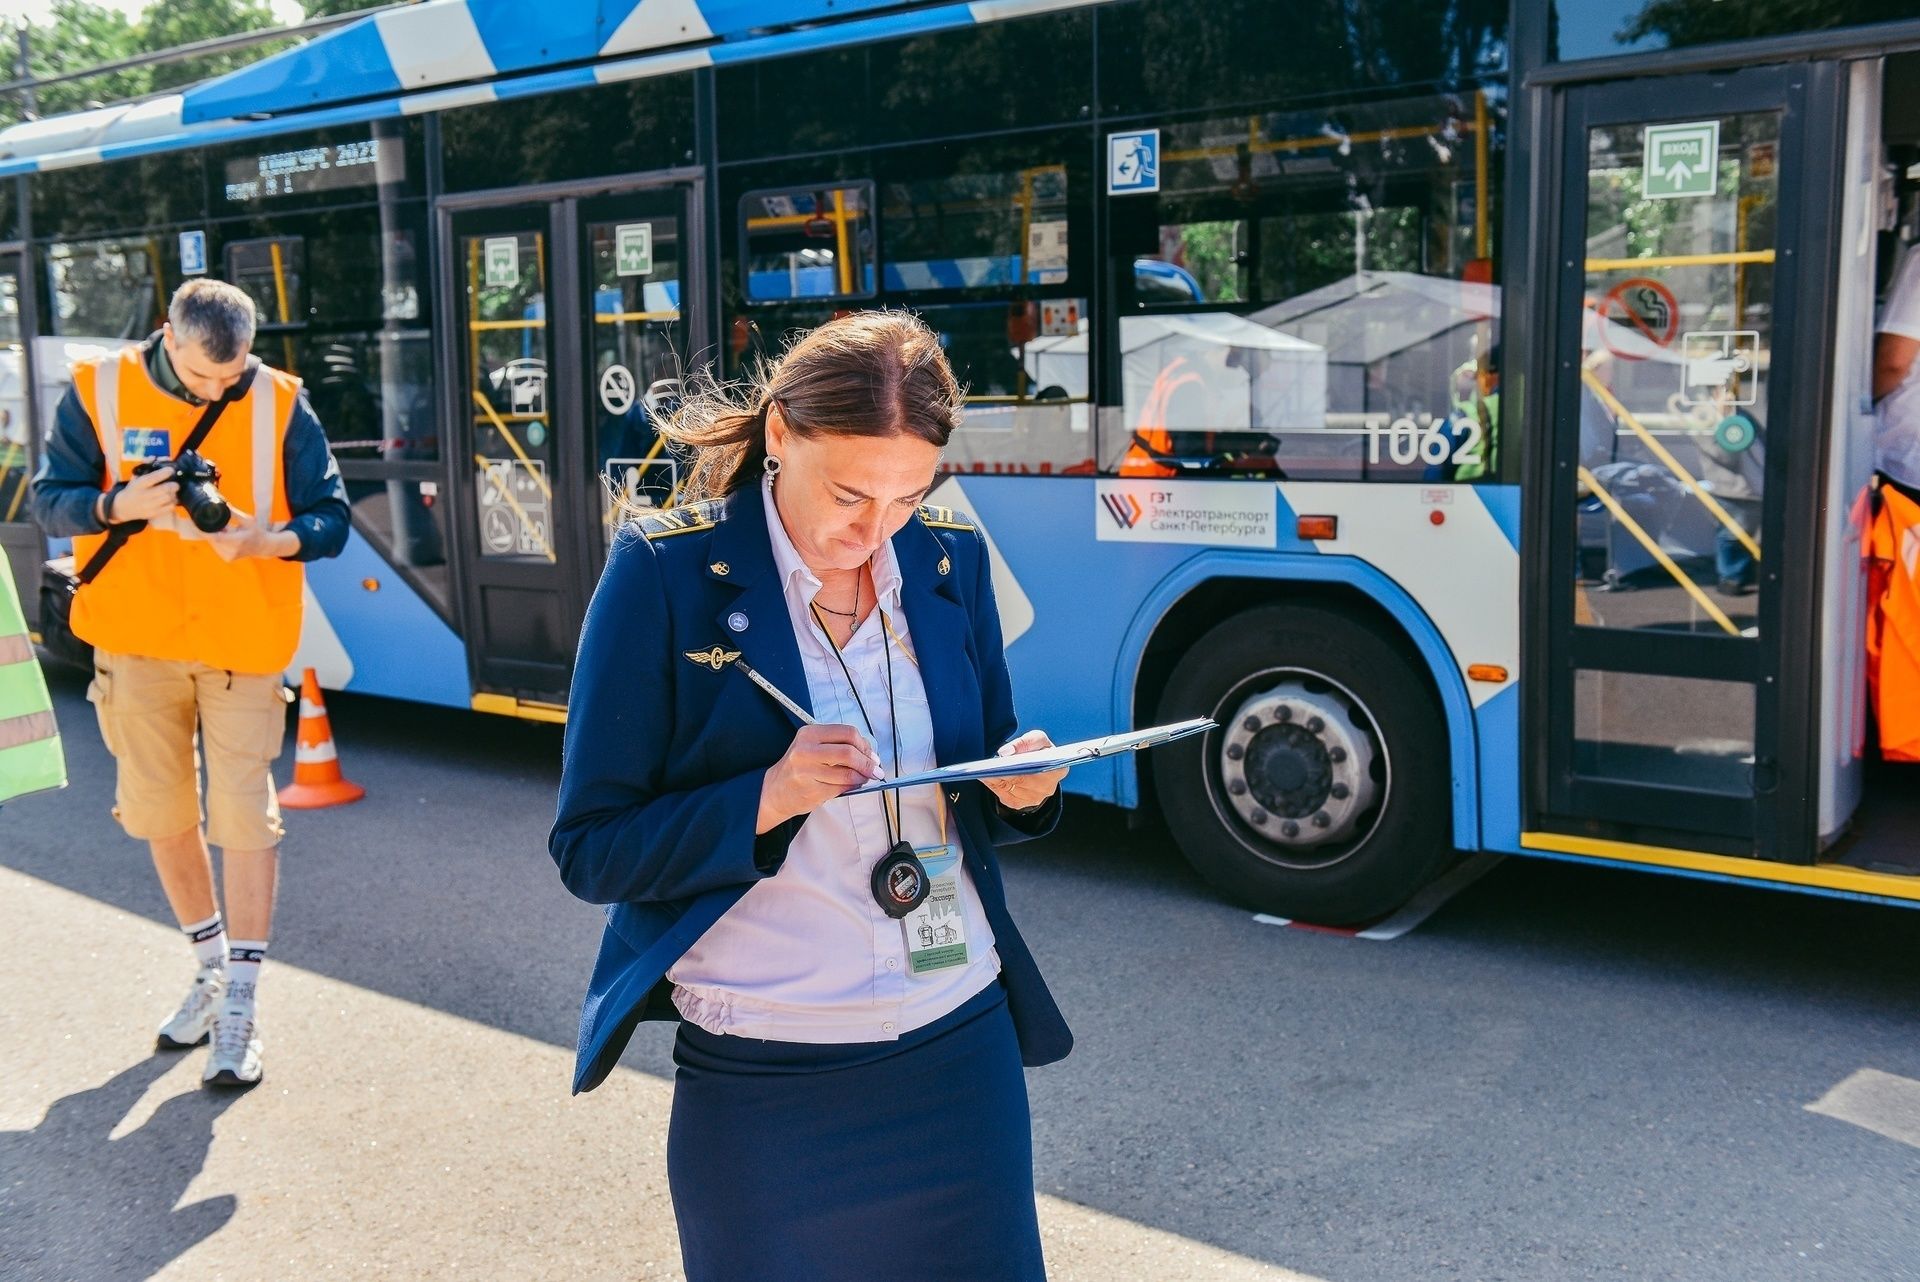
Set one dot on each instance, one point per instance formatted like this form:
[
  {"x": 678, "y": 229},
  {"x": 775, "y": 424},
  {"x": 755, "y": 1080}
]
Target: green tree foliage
[
  {"x": 1690, "y": 22},
  {"x": 81, "y": 34}
]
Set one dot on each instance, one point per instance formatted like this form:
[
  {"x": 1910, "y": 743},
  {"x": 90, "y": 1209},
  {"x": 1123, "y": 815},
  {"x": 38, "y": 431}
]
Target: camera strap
[{"x": 117, "y": 535}]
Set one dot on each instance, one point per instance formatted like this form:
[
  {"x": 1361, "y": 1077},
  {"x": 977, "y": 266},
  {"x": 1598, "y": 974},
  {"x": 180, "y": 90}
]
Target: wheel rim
[{"x": 1297, "y": 771}]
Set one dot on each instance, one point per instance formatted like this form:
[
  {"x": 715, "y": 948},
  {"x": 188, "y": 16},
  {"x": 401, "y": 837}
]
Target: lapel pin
[
  {"x": 716, "y": 658},
  {"x": 737, "y": 621},
  {"x": 945, "y": 565},
  {"x": 719, "y": 567}
]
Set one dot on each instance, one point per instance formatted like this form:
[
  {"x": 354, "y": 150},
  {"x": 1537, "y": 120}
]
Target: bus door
[
  {"x": 568, "y": 329},
  {"x": 1677, "y": 594}
]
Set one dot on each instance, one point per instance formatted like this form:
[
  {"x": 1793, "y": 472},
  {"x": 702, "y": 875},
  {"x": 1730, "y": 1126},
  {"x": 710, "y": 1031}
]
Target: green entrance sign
[
  {"x": 633, "y": 249},
  {"x": 1681, "y": 160}
]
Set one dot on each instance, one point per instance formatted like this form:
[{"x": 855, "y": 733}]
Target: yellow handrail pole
[
  {"x": 513, "y": 443},
  {"x": 1658, "y": 553},
  {"x": 280, "y": 299},
  {"x": 514, "y": 503},
  {"x": 840, "y": 240},
  {"x": 1680, "y": 260},
  {"x": 1482, "y": 235},
  {"x": 1622, "y": 414}
]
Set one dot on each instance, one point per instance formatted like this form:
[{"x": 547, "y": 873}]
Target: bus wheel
[{"x": 1323, "y": 795}]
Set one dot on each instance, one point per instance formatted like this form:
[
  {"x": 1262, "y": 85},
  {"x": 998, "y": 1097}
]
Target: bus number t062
[{"x": 1421, "y": 438}]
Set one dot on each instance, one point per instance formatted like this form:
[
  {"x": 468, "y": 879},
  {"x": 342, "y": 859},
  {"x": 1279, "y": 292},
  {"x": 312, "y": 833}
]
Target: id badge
[{"x": 936, "y": 933}]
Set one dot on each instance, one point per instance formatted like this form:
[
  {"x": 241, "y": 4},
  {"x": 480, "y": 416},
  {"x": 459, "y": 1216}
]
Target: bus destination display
[{"x": 309, "y": 169}]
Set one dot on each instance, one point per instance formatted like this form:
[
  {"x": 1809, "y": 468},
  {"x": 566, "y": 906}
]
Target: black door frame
[
  {"x": 1777, "y": 823},
  {"x": 575, "y": 537}
]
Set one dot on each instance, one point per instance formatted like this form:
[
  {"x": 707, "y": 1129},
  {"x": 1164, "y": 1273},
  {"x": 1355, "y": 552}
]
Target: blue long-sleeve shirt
[{"x": 72, "y": 466}]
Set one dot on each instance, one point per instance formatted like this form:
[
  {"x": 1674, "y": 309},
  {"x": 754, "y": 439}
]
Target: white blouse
[{"x": 807, "y": 955}]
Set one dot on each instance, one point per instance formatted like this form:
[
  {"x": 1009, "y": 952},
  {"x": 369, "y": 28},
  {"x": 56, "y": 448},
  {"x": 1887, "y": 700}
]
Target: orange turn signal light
[
  {"x": 1317, "y": 527},
  {"x": 1491, "y": 673},
  {"x": 371, "y": 585}
]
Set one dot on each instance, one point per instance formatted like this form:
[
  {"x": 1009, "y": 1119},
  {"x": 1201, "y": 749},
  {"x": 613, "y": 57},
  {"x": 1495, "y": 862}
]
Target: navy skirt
[{"x": 910, "y": 1159}]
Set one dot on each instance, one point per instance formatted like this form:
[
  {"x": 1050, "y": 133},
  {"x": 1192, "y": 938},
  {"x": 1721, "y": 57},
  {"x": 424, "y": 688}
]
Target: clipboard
[{"x": 1042, "y": 759}]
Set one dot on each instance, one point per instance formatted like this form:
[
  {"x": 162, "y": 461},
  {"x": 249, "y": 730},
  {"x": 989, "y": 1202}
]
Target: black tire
[{"x": 1390, "y": 830}]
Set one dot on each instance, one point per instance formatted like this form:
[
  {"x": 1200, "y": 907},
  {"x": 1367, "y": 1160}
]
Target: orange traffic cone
[{"x": 316, "y": 766}]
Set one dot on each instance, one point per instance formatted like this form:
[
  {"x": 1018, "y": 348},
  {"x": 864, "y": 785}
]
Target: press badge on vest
[
  {"x": 936, "y": 932},
  {"x": 143, "y": 445}
]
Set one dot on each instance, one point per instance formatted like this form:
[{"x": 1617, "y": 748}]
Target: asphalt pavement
[{"x": 1565, "y": 1073}]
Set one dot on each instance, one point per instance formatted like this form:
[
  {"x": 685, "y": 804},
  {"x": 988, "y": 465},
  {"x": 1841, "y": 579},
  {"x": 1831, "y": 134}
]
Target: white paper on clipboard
[{"x": 1032, "y": 763}]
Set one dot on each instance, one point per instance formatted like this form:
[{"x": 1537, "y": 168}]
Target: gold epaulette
[
  {"x": 680, "y": 520},
  {"x": 944, "y": 518}
]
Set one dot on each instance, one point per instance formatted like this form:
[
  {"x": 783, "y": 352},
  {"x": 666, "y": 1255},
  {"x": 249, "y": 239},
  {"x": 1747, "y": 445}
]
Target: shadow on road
[{"x": 77, "y": 1202}]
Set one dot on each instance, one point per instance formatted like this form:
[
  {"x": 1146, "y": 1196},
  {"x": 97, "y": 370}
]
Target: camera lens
[{"x": 200, "y": 494}]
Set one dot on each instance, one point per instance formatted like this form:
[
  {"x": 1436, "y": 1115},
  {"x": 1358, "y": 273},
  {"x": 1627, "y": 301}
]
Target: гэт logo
[{"x": 1125, "y": 509}]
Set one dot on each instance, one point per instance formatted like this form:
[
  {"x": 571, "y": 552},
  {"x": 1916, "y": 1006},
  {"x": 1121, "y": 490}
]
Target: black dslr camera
[{"x": 200, "y": 495}]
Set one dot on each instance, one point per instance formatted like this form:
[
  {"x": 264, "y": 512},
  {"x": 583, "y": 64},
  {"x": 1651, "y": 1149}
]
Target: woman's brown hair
[{"x": 878, "y": 373}]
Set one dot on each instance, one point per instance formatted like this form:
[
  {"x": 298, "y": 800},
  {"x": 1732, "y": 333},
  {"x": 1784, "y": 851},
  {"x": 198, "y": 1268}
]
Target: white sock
[
  {"x": 243, "y": 974},
  {"x": 209, "y": 940}
]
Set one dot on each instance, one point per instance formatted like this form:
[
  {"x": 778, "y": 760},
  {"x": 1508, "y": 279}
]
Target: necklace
[{"x": 846, "y": 614}]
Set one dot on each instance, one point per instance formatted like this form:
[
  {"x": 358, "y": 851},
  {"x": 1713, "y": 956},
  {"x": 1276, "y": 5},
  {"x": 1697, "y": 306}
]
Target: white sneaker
[
  {"x": 235, "y": 1060},
  {"x": 190, "y": 1024}
]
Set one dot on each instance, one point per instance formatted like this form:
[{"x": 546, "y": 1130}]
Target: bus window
[
  {"x": 1313, "y": 296},
  {"x": 273, "y": 272},
  {"x": 106, "y": 288},
  {"x": 1024, "y": 366},
  {"x": 974, "y": 230},
  {"x": 808, "y": 242}
]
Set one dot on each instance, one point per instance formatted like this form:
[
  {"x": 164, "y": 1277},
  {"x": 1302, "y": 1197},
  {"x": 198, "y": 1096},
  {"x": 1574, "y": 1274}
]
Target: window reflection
[
  {"x": 1313, "y": 296},
  {"x": 808, "y": 242},
  {"x": 1597, "y": 28},
  {"x": 109, "y": 289}
]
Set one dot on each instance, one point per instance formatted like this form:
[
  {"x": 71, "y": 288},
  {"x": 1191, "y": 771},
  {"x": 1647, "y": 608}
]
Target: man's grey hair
[{"x": 214, "y": 316}]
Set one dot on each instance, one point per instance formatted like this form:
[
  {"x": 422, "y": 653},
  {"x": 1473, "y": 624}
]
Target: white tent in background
[{"x": 1251, "y": 377}]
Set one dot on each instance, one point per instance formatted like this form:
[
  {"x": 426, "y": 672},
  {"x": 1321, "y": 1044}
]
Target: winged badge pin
[{"x": 716, "y": 658}]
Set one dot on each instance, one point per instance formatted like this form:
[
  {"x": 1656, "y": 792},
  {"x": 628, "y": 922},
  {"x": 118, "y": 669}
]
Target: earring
[{"x": 771, "y": 465}]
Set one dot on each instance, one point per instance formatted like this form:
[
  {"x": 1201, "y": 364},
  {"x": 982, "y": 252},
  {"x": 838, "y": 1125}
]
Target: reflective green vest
[{"x": 30, "y": 756}]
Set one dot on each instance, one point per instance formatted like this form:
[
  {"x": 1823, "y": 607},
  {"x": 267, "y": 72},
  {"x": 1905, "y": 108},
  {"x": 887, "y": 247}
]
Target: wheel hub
[{"x": 1297, "y": 766}]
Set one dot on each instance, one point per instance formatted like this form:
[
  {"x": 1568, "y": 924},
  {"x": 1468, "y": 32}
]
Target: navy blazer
[{"x": 667, "y": 745}]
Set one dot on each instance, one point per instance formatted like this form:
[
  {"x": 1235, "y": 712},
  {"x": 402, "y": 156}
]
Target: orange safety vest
[
  {"x": 167, "y": 594},
  {"x": 1893, "y": 623},
  {"x": 1150, "y": 434}
]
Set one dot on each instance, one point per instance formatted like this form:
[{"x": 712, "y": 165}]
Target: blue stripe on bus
[
  {"x": 1503, "y": 505},
  {"x": 399, "y": 646},
  {"x": 1497, "y": 728}
]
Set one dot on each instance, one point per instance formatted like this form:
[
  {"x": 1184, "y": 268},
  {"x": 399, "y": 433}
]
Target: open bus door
[
  {"x": 570, "y": 330},
  {"x": 1675, "y": 586}
]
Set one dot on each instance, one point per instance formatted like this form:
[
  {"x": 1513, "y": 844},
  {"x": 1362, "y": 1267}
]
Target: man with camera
[{"x": 195, "y": 481}]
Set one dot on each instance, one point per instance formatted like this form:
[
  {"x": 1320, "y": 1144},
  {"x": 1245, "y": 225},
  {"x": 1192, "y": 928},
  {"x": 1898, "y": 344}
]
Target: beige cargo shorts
[{"x": 158, "y": 715}]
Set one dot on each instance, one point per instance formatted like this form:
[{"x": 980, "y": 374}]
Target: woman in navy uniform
[{"x": 856, "y": 1002}]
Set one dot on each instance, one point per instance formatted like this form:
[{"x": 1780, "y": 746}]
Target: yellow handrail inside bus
[
  {"x": 480, "y": 325},
  {"x": 1623, "y": 415},
  {"x": 280, "y": 298},
  {"x": 614, "y": 318},
  {"x": 513, "y": 443},
  {"x": 1680, "y": 260},
  {"x": 1658, "y": 553},
  {"x": 525, "y": 520},
  {"x": 844, "y": 260}
]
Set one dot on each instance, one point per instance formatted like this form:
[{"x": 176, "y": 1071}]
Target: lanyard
[{"x": 896, "y": 821}]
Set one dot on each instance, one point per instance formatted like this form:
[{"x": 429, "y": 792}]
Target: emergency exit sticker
[{"x": 1681, "y": 160}]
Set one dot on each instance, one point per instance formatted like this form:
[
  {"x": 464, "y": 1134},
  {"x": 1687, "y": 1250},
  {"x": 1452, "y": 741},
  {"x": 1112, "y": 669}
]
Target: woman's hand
[
  {"x": 822, "y": 762},
  {"x": 1024, "y": 792}
]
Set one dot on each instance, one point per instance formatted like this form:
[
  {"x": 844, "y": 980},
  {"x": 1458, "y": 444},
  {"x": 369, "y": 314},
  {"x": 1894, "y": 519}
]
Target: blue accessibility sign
[{"x": 193, "y": 253}]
